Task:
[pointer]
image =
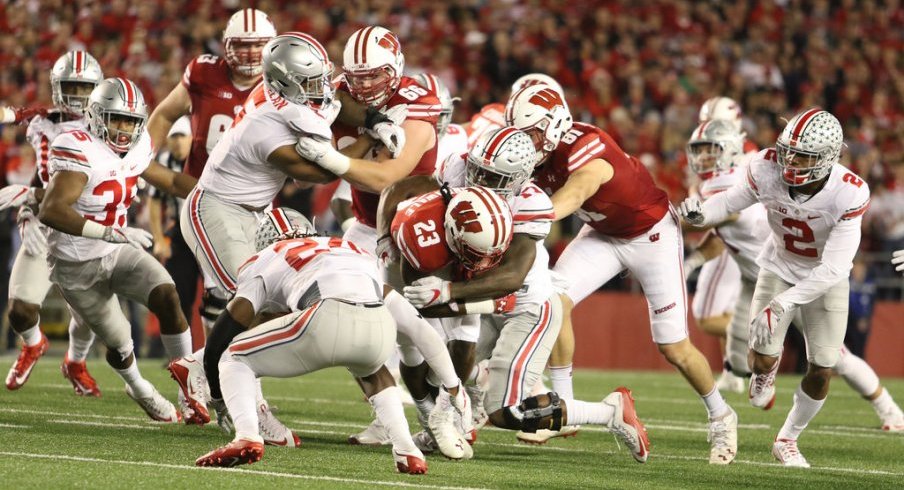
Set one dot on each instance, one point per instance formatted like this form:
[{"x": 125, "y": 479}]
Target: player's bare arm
[
  {"x": 174, "y": 106},
  {"x": 294, "y": 165},
  {"x": 581, "y": 184},
  {"x": 63, "y": 191},
  {"x": 507, "y": 277},
  {"x": 175, "y": 183}
]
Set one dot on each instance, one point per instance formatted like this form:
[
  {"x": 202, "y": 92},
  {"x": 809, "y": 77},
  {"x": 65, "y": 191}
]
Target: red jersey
[
  {"x": 215, "y": 101},
  {"x": 423, "y": 105},
  {"x": 750, "y": 146},
  {"x": 626, "y": 206},
  {"x": 417, "y": 230},
  {"x": 490, "y": 117}
]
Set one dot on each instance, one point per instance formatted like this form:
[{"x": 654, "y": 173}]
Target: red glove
[
  {"x": 505, "y": 304},
  {"x": 24, "y": 114}
]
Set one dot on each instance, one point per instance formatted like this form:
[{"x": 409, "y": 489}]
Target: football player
[
  {"x": 629, "y": 224},
  {"x": 714, "y": 146},
  {"x": 815, "y": 207},
  {"x": 72, "y": 78},
  {"x": 334, "y": 294}
]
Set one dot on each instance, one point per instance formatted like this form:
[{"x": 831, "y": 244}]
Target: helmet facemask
[
  {"x": 119, "y": 130},
  {"x": 706, "y": 158},
  {"x": 800, "y": 167},
  {"x": 72, "y": 95},
  {"x": 244, "y": 55},
  {"x": 373, "y": 86}
]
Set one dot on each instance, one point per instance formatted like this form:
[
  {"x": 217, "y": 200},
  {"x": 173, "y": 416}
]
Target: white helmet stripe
[
  {"x": 802, "y": 124},
  {"x": 493, "y": 206},
  {"x": 498, "y": 142}
]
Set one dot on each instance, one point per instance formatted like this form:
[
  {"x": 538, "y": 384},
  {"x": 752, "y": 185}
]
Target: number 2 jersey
[
  {"x": 813, "y": 241},
  {"x": 303, "y": 270},
  {"x": 106, "y": 197}
]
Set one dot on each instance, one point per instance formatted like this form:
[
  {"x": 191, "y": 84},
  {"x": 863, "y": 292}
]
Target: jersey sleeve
[
  {"x": 305, "y": 121},
  {"x": 451, "y": 171},
  {"x": 67, "y": 154},
  {"x": 251, "y": 280},
  {"x": 858, "y": 203},
  {"x": 533, "y": 214},
  {"x": 586, "y": 148},
  {"x": 424, "y": 107}
]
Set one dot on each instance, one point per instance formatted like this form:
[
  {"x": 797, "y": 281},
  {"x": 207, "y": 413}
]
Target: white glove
[
  {"x": 136, "y": 237},
  {"x": 428, "y": 291},
  {"x": 386, "y": 250},
  {"x": 224, "y": 420},
  {"x": 693, "y": 262},
  {"x": 691, "y": 209},
  {"x": 397, "y": 114},
  {"x": 763, "y": 325},
  {"x": 897, "y": 258},
  {"x": 321, "y": 152},
  {"x": 13, "y": 196},
  {"x": 33, "y": 239},
  {"x": 330, "y": 111}
]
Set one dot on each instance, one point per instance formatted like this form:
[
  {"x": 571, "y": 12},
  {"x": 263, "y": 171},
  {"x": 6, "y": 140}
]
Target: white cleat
[
  {"x": 374, "y": 435},
  {"x": 189, "y": 374},
  {"x": 157, "y": 407},
  {"x": 479, "y": 415},
  {"x": 892, "y": 420},
  {"x": 762, "y": 389},
  {"x": 728, "y": 381},
  {"x": 723, "y": 438},
  {"x": 272, "y": 430},
  {"x": 542, "y": 436},
  {"x": 785, "y": 450},
  {"x": 625, "y": 424},
  {"x": 451, "y": 443}
]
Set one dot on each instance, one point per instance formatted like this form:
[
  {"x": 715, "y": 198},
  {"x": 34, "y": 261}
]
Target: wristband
[
  {"x": 482, "y": 307},
  {"x": 7, "y": 115},
  {"x": 93, "y": 230},
  {"x": 335, "y": 162}
]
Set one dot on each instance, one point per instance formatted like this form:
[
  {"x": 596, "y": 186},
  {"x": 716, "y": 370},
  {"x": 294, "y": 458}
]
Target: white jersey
[
  {"x": 280, "y": 276},
  {"x": 454, "y": 142},
  {"x": 237, "y": 170},
  {"x": 813, "y": 243},
  {"x": 744, "y": 237},
  {"x": 41, "y": 132},
  {"x": 532, "y": 214},
  {"x": 107, "y": 195}
]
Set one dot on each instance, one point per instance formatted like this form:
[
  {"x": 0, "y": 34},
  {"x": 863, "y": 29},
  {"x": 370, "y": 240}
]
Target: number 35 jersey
[{"x": 107, "y": 195}]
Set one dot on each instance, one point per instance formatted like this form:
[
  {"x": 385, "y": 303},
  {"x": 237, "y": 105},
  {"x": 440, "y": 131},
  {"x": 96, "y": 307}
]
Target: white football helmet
[
  {"x": 537, "y": 79},
  {"x": 281, "y": 224},
  {"x": 714, "y": 147},
  {"x": 369, "y": 53},
  {"x": 70, "y": 70},
  {"x": 478, "y": 224},
  {"x": 501, "y": 160},
  {"x": 813, "y": 137},
  {"x": 542, "y": 113},
  {"x": 721, "y": 108},
  {"x": 247, "y": 26},
  {"x": 298, "y": 69},
  {"x": 121, "y": 99},
  {"x": 432, "y": 82}
]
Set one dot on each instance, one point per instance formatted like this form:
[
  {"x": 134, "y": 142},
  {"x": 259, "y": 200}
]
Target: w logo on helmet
[
  {"x": 466, "y": 217},
  {"x": 547, "y": 99},
  {"x": 390, "y": 42}
]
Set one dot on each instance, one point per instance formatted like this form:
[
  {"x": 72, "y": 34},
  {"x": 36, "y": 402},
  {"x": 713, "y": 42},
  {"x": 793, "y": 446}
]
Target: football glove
[
  {"x": 321, "y": 151},
  {"x": 762, "y": 328},
  {"x": 897, "y": 259},
  {"x": 386, "y": 250},
  {"x": 136, "y": 237},
  {"x": 20, "y": 115},
  {"x": 33, "y": 240},
  {"x": 691, "y": 209},
  {"x": 428, "y": 291},
  {"x": 14, "y": 196},
  {"x": 224, "y": 420}
]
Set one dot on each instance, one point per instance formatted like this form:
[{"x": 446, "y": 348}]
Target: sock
[
  {"x": 80, "y": 340},
  {"x": 857, "y": 373},
  {"x": 240, "y": 398},
  {"x": 802, "y": 412},
  {"x": 32, "y": 336},
  {"x": 715, "y": 404},
  {"x": 424, "y": 407},
  {"x": 418, "y": 332},
  {"x": 141, "y": 387},
  {"x": 580, "y": 412},
  {"x": 561, "y": 381},
  {"x": 388, "y": 407},
  {"x": 884, "y": 402},
  {"x": 177, "y": 345}
]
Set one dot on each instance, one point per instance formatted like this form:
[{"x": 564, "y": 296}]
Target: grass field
[{"x": 51, "y": 438}]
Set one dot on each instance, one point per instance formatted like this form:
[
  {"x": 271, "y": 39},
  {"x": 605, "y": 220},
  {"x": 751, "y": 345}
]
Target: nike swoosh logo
[
  {"x": 283, "y": 442},
  {"x": 812, "y": 217},
  {"x": 435, "y": 295}
]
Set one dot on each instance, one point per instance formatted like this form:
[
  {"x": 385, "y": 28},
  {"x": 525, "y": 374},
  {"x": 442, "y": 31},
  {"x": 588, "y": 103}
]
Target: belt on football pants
[{"x": 312, "y": 296}]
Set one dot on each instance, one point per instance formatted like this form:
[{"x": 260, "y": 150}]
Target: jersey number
[
  {"x": 303, "y": 250},
  {"x": 805, "y": 236},
  {"x": 852, "y": 179},
  {"x": 571, "y": 136},
  {"x": 120, "y": 195},
  {"x": 426, "y": 233},
  {"x": 218, "y": 125},
  {"x": 412, "y": 93}
]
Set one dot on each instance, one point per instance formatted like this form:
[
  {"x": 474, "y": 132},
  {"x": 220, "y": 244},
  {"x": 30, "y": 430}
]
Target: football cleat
[
  {"x": 157, "y": 407},
  {"x": 189, "y": 373},
  {"x": 542, "y": 436},
  {"x": 892, "y": 420},
  {"x": 625, "y": 424},
  {"x": 273, "y": 431},
  {"x": 239, "y": 451},
  {"x": 785, "y": 450},
  {"x": 449, "y": 440},
  {"x": 374, "y": 435},
  {"x": 762, "y": 389},
  {"x": 728, "y": 381},
  {"x": 479, "y": 415},
  {"x": 77, "y": 374},
  {"x": 723, "y": 438},
  {"x": 28, "y": 357},
  {"x": 411, "y": 462}
]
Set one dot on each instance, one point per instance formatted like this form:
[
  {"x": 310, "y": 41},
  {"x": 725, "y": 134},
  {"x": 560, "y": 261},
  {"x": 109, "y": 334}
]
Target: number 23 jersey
[{"x": 107, "y": 194}]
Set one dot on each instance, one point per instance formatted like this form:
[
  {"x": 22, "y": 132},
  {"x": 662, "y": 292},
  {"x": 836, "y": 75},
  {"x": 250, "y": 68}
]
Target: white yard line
[
  {"x": 15, "y": 426},
  {"x": 73, "y": 414},
  {"x": 234, "y": 471},
  {"x": 102, "y": 424}
]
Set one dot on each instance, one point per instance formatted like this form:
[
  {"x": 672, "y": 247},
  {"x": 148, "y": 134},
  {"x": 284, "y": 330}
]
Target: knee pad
[
  {"x": 212, "y": 304},
  {"x": 824, "y": 358},
  {"x": 529, "y": 414}
]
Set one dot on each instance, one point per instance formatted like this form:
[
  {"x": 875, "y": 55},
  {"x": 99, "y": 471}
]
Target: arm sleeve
[
  {"x": 741, "y": 196},
  {"x": 836, "y": 264}
]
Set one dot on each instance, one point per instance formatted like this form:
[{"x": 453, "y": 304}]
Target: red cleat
[
  {"x": 412, "y": 464},
  {"x": 77, "y": 374},
  {"x": 625, "y": 424},
  {"x": 190, "y": 375},
  {"x": 239, "y": 451},
  {"x": 21, "y": 370}
]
